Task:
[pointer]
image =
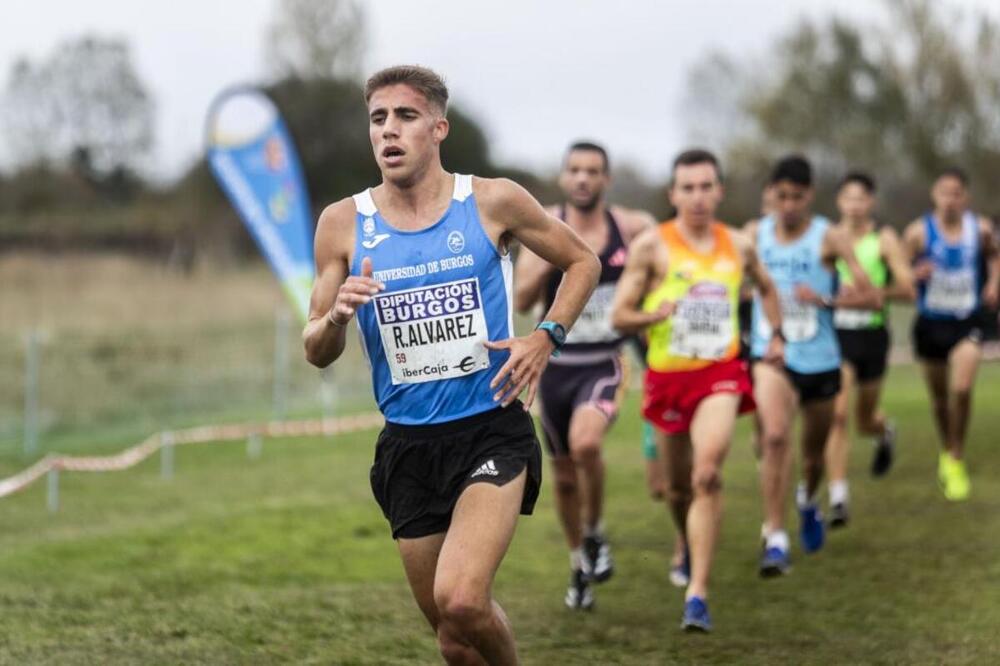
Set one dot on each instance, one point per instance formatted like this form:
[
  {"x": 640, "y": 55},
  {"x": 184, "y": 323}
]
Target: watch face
[{"x": 560, "y": 333}]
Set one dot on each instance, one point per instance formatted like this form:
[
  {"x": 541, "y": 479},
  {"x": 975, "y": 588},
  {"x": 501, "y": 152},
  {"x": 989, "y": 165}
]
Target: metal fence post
[
  {"x": 255, "y": 444},
  {"x": 31, "y": 363},
  {"x": 167, "y": 455},
  {"x": 53, "y": 494},
  {"x": 279, "y": 393}
]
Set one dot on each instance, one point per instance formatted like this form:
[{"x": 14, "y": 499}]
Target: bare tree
[
  {"x": 86, "y": 102},
  {"x": 905, "y": 96},
  {"x": 322, "y": 39}
]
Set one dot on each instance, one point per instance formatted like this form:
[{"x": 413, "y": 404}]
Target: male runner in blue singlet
[
  {"x": 951, "y": 246},
  {"x": 421, "y": 262}
]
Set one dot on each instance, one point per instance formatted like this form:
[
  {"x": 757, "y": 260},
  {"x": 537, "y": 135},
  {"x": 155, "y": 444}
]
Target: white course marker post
[
  {"x": 167, "y": 456},
  {"x": 279, "y": 393},
  {"x": 255, "y": 445},
  {"x": 52, "y": 497},
  {"x": 32, "y": 352}
]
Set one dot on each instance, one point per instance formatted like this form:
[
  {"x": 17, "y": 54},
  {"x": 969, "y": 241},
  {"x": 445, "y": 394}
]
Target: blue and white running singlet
[
  {"x": 810, "y": 339},
  {"x": 952, "y": 292},
  {"x": 448, "y": 290}
]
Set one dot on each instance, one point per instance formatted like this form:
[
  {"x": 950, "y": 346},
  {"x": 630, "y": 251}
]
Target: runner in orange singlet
[{"x": 681, "y": 284}]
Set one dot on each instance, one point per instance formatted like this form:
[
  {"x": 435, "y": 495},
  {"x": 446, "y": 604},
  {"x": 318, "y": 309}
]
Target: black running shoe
[
  {"x": 839, "y": 515},
  {"x": 884, "y": 448},
  {"x": 597, "y": 550},
  {"x": 579, "y": 595}
]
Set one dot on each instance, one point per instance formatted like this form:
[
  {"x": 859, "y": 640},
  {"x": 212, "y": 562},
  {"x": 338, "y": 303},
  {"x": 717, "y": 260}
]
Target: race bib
[
  {"x": 594, "y": 323},
  {"x": 951, "y": 291},
  {"x": 847, "y": 319},
  {"x": 799, "y": 321},
  {"x": 433, "y": 333},
  {"x": 702, "y": 324}
]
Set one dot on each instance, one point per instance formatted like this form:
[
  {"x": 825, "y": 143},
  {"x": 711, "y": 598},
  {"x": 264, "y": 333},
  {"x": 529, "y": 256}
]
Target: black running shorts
[
  {"x": 933, "y": 339},
  {"x": 866, "y": 350},
  {"x": 811, "y": 386},
  {"x": 420, "y": 471},
  {"x": 815, "y": 386},
  {"x": 565, "y": 387}
]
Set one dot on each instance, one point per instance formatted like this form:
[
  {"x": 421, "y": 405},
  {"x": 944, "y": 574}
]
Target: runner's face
[
  {"x": 584, "y": 179},
  {"x": 696, "y": 192},
  {"x": 854, "y": 202},
  {"x": 950, "y": 197},
  {"x": 791, "y": 202},
  {"x": 406, "y": 132}
]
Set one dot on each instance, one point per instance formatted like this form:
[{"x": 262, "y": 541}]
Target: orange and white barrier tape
[{"x": 199, "y": 435}]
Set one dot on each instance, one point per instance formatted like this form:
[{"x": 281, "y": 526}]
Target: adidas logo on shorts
[{"x": 486, "y": 468}]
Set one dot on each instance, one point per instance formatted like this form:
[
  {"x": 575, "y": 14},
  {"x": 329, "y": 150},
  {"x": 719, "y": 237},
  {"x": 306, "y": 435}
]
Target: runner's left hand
[
  {"x": 775, "y": 352},
  {"x": 804, "y": 294},
  {"x": 529, "y": 355}
]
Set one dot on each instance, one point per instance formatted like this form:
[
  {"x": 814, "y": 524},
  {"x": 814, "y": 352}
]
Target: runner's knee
[
  {"x": 586, "y": 450},
  {"x": 679, "y": 491},
  {"x": 839, "y": 421},
  {"x": 707, "y": 480},
  {"x": 564, "y": 475},
  {"x": 462, "y": 609},
  {"x": 773, "y": 440}
]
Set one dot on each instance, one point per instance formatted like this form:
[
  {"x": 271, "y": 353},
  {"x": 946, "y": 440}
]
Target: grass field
[{"x": 287, "y": 560}]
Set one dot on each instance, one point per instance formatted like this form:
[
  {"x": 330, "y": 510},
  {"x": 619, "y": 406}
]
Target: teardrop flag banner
[{"x": 251, "y": 154}]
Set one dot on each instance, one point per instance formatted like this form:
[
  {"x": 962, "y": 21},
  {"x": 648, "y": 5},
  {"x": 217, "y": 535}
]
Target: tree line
[{"x": 902, "y": 97}]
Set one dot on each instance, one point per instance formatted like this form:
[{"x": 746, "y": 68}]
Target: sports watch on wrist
[{"x": 557, "y": 334}]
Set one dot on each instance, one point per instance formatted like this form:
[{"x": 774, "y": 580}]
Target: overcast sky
[{"x": 537, "y": 74}]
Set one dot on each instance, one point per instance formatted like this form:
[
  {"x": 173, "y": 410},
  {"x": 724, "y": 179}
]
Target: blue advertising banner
[{"x": 252, "y": 156}]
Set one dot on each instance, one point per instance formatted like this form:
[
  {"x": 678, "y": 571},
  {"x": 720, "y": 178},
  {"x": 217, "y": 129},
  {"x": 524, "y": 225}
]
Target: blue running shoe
[
  {"x": 696, "y": 616},
  {"x": 680, "y": 575},
  {"x": 774, "y": 562},
  {"x": 811, "y": 529}
]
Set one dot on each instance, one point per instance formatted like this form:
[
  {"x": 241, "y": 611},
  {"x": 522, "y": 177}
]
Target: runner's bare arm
[
  {"x": 991, "y": 290},
  {"x": 894, "y": 255},
  {"x": 509, "y": 211},
  {"x": 862, "y": 295},
  {"x": 627, "y": 315},
  {"x": 749, "y": 232},
  {"x": 762, "y": 280},
  {"x": 336, "y": 296},
  {"x": 769, "y": 301},
  {"x": 914, "y": 242}
]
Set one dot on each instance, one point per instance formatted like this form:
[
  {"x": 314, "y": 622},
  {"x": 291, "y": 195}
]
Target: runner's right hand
[
  {"x": 805, "y": 294},
  {"x": 355, "y": 292},
  {"x": 662, "y": 313}
]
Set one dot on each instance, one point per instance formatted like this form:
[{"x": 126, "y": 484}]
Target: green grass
[{"x": 287, "y": 559}]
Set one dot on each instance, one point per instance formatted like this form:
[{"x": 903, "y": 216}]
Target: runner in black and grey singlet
[{"x": 580, "y": 388}]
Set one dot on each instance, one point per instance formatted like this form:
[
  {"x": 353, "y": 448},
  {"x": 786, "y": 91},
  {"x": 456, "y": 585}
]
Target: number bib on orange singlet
[
  {"x": 434, "y": 332},
  {"x": 952, "y": 291},
  {"x": 702, "y": 325},
  {"x": 799, "y": 321}
]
